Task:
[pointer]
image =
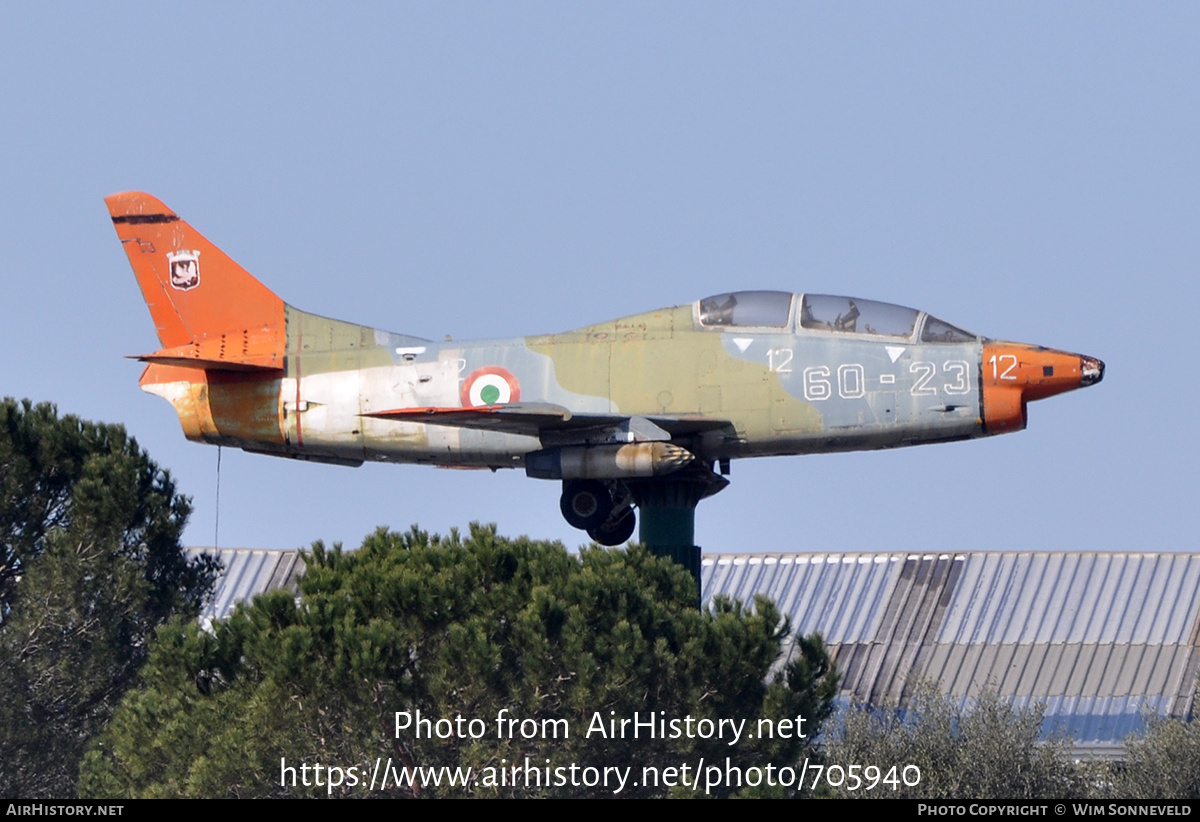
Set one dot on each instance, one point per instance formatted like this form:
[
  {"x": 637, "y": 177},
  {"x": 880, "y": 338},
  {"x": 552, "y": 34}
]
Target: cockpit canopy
[
  {"x": 850, "y": 316},
  {"x": 822, "y": 312},
  {"x": 746, "y": 309}
]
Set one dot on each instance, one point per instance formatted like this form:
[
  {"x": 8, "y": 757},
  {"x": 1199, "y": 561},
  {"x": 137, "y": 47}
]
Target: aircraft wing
[{"x": 556, "y": 422}]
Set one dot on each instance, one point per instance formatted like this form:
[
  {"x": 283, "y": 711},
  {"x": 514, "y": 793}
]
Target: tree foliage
[
  {"x": 1163, "y": 763},
  {"x": 986, "y": 750},
  {"x": 90, "y": 565},
  {"x": 478, "y": 628}
]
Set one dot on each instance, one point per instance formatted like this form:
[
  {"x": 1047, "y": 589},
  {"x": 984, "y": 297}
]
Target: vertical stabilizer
[
  {"x": 204, "y": 305},
  {"x": 223, "y": 333}
]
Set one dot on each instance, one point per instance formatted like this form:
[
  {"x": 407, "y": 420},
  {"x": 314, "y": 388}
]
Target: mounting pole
[{"x": 667, "y": 512}]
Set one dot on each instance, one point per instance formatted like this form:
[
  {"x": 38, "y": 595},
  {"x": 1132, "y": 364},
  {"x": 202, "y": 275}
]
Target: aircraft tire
[
  {"x": 616, "y": 533},
  {"x": 585, "y": 503}
]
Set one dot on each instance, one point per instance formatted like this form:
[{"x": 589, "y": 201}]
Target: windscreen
[{"x": 939, "y": 331}]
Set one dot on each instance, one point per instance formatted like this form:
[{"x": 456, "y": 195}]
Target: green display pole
[{"x": 667, "y": 513}]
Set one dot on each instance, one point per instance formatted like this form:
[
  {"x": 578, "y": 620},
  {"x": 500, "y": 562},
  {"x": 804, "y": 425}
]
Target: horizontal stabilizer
[{"x": 227, "y": 352}]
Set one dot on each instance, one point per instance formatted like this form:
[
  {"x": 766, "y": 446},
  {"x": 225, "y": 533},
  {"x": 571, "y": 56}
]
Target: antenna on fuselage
[{"x": 217, "y": 516}]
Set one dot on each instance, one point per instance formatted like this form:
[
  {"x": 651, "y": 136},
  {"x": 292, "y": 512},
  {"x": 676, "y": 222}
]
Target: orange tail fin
[{"x": 208, "y": 310}]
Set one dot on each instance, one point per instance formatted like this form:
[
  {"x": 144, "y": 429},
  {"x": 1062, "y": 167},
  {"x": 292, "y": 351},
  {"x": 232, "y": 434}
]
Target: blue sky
[{"x": 1026, "y": 171}]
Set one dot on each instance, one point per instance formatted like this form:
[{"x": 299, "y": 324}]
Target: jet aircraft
[{"x": 667, "y": 396}]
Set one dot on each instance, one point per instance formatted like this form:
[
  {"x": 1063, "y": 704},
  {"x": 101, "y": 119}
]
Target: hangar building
[{"x": 1103, "y": 639}]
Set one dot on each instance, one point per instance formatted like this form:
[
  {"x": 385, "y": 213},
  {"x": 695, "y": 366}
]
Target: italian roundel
[{"x": 491, "y": 385}]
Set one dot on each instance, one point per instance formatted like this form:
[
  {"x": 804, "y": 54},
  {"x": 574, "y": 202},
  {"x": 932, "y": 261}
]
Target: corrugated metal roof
[
  {"x": 1041, "y": 597},
  {"x": 841, "y": 595},
  {"x": 1099, "y": 638},
  {"x": 247, "y": 572}
]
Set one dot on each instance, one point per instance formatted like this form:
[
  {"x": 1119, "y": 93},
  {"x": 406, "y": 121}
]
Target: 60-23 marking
[{"x": 852, "y": 382}]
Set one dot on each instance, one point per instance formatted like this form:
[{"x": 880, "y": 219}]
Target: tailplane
[{"x": 209, "y": 312}]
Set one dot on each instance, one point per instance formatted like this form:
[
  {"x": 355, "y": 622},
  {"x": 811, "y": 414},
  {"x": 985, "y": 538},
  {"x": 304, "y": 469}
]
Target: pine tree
[
  {"x": 482, "y": 628},
  {"x": 90, "y": 566}
]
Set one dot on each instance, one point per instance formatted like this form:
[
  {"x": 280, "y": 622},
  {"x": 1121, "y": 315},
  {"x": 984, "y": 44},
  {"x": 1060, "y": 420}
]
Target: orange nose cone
[{"x": 1014, "y": 374}]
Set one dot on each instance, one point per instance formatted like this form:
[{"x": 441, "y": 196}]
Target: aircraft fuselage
[{"x": 673, "y": 392}]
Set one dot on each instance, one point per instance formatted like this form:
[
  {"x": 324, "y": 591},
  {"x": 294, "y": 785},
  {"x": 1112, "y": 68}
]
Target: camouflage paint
[{"x": 244, "y": 369}]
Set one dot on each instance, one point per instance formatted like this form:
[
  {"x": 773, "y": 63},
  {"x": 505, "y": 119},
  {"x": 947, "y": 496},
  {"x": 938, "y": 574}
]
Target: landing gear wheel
[
  {"x": 617, "y": 533},
  {"x": 585, "y": 503}
]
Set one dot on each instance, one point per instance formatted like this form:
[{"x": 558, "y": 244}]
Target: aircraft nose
[
  {"x": 1091, "y": 370},
  {"x": 1015, "y": 374}
]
